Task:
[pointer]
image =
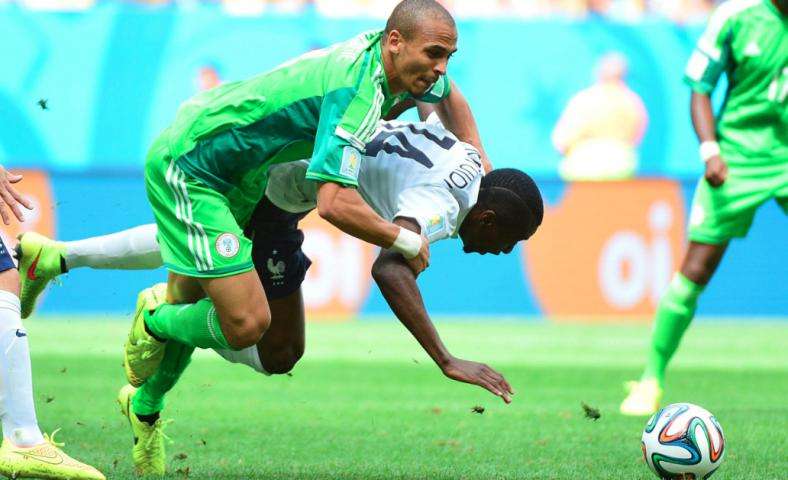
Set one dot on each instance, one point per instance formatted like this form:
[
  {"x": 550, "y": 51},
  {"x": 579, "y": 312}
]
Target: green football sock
[
  {"x": 674, "y": 314},
  {"x": 149, "y": 399},
  {"x": 195, "y": 324}
]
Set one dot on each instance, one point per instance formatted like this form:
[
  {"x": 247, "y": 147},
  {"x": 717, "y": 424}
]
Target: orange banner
[
  {"x": 608, "y": 249},
  {"x": 338, "y": 282},
  {"x": 37, "y": 187}
]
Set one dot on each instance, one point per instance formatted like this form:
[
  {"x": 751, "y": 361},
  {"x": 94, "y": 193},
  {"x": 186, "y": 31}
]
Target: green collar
[
  {"x": 771, "y": 6},
  {"x": 377, "y": 50}
]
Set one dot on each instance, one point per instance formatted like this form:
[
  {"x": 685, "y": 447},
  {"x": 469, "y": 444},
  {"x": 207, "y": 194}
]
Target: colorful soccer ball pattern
[{"x": 683, "y": 441}]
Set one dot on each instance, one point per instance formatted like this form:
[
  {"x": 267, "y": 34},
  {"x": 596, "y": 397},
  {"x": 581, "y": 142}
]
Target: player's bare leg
[
  {"x": 701, "y": 261},
  {"x": 282, "y": 346},
  {"x": 242, "y": 307},
  {"x": 283, "y": 343},
  {"x": 238, "y": 325},
  {"x": 182, "y": 289},
  {"x": 233, "y": 317},
  {"x": 674, "y": 314}
]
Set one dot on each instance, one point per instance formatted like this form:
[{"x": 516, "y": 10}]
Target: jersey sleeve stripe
[
  {"x": 322, "y": 177},
  {"x": 377, "y": 103},
  {"x": 709, "y": 49},
  {"x": 718, "y": 20},
  {"x": 373, "y": 115},
  {"x": 349, "y": 137}
]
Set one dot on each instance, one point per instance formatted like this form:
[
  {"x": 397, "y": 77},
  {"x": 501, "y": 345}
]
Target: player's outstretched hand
[
  {"x": 10, "y": 198},
  {"x": 420, "y": 262},
  {"x": 716, "y": 171},
  {"x": 481, "y": 375}
]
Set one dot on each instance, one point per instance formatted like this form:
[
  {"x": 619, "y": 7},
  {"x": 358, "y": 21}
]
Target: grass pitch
[{"x": 366, "y": 403}]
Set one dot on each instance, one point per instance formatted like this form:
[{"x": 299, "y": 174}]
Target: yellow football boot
[
  {"x": 643, "y": 399},
  {"x": 143, "y": 353},
  {"x": 46, "y": 460},
  {"x": 39, "y": 262},
  {"x": 148, "y": 451}
]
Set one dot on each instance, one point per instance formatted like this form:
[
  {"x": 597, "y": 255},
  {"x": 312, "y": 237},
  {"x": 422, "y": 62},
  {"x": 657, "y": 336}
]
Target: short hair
[
  {"x": 408, "y": 13},
  {"x": 514, "y": 197}
]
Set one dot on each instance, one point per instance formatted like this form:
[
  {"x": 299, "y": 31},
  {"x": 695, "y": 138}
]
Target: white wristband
[
  {"x": 708, "y": 149},
  {"x": 407, "y": 243}
]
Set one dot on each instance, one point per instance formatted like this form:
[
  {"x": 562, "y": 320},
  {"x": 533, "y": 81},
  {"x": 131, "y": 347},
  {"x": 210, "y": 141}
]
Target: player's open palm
[
  {"x": 420, "y": 262},
  {"x": 716, "y": 171},
  {"x": 10, "y": 198},
  {"x": 481, "y": 375}
]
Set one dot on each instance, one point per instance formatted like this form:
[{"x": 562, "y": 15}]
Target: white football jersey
[{"x": 415, "y": 170}]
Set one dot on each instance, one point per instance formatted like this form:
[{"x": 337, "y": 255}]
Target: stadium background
[{"x": 114, "y": 73}]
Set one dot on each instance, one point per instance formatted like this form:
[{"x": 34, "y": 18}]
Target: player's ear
[
  {"x": 394, "y": 39},
  {"x": 488, "y": 218}
]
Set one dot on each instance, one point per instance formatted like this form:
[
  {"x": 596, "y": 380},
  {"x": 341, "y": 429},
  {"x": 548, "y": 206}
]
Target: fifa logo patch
[
  {"x": 227, "y": 245},
  {"x": 351, "y": 161},
  {"x": 436, "y": 224}
]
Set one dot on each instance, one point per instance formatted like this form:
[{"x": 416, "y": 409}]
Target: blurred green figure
[{"x": 745, "y": 150}]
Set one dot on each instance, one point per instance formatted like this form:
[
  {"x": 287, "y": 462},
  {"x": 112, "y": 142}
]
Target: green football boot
[
  {"x": 39, "y": 262},
  {"x": 148, "y": 452},
  {"x": 143, "y": 353}
]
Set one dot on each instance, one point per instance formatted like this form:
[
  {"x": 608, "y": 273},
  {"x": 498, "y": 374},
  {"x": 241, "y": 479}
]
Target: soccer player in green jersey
[
  {"x": 206, "y": 172},
  {"x": 746, "y": 155}
]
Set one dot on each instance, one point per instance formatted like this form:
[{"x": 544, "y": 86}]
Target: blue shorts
[
  {"x": 6, "y": 262},
  {"x": 276, "y": 249}
]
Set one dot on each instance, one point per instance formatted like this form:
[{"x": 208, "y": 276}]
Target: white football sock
[
  {"x": 16, "y": 382},
  {"x": 247, "y": 356},
  {"x": 132, "y": 249}
]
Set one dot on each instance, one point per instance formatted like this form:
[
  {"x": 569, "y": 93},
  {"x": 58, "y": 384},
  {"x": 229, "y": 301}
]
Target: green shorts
[
  {"x": 198, "y": 234},
  {"x": 720, "y": 214}
]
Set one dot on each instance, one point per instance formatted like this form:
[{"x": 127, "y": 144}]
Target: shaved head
[{"x": 408, "y": 15}]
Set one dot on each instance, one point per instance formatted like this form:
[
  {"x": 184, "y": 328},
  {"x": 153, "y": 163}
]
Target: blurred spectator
[
  {"x": 208, "y": 76},
  {"x": 355, "y": 8},
  {"x": 601, "y": 126},
  {"x": 259, "y": 7},
  {"x": 622, "y": 10},
  {"x": 57, "y": 5},
  {"x": 680, "y": 11}
]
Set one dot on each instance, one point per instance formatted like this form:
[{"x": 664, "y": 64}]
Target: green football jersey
[
  {"x": 748, "y": 40},
  {"x": 325, "y": 104}
]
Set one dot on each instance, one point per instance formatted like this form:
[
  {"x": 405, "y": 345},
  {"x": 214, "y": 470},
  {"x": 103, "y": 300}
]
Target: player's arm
[
  {"x": 10, "y": 198},
  {"x": 705, "y": 128},
  {"x": 344, "y": 208},
  {"x": 399, "y": 108},
  {"x": 711, "y": 57},
  {"x": 425, "y": 110},
  {"x": 348, "y": 119},
  {"x": 455, "y": 114},
  {"x": 397, "y": 282}
]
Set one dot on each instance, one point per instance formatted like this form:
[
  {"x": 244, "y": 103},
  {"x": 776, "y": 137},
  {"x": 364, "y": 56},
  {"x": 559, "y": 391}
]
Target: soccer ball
[{"x": 683, "y": 441}]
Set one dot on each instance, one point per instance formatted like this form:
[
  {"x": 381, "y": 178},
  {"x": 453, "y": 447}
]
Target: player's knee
[
  {"x": 281, "y": 361},
  {"x": 698, "y": 271},
  {"x": 247, "y": 328},
  {"x": 9, "y": 281}
]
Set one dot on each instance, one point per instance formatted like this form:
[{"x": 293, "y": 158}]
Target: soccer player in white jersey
[
  {"x": 417, "y": 175},
  {"x": 26, "y": 452}
]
